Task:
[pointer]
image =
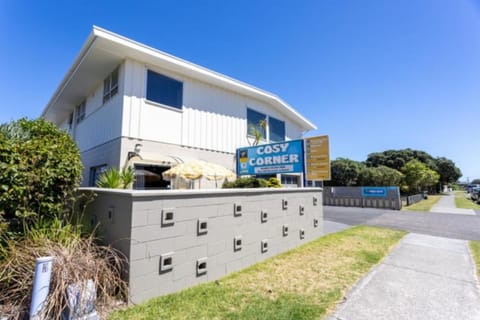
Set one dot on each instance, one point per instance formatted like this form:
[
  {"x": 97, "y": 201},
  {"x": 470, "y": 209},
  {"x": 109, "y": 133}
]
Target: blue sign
[
  {"x": 282, "y": 157},
  {"x": 380, "y": 192}
]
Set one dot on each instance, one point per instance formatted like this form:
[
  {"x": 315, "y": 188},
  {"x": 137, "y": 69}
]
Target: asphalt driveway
[{"x": 466, "y": 227}]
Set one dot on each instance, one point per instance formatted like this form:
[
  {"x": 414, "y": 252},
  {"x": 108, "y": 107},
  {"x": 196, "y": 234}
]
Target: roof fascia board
[{"x": 204, "y": 73}]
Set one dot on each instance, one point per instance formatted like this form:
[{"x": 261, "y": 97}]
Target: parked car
[
  {"x": 470, "y": 187},
  {"x": 475, "y": 194}
]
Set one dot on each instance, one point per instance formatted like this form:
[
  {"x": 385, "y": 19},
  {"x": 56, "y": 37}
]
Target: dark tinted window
[
  {"x": 276, "y": 130},
  {"x": 164, "y": 90},
  {"x": 256, "y": 122}
]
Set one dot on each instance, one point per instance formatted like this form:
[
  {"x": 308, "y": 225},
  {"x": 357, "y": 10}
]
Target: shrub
[
  {"x": 252, "y": 182},
  {"x": 40, "y": 168},
  {"x": 274, "y": 183}
]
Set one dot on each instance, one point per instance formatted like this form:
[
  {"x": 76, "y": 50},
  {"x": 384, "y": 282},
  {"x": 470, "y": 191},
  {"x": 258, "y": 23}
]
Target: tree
[
  {"x": 418, "y": 177},
  {"x": 379, "y": 176},
  {"x": 40, "y": 169},
  {"x": 397, "y": 159},
  {"x": 345, "y": 172},
  {"x": 449, "y": 173},
  {"x": 475, "y": 181}
]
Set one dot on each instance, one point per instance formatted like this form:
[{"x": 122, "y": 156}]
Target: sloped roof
[{"x": 103, "y": 50}]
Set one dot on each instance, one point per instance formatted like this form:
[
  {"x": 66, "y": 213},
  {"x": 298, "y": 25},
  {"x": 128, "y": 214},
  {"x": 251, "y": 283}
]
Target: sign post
[{"x": 317, "y": 158}]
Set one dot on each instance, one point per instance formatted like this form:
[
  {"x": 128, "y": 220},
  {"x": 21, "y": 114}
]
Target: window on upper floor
[
  {"x": 70, "y": 121},
  {"x": 276, "y": 130},
  {"x": 256, "y": 125},
  {"x": 110, "y": 85},
  {"x": 164, "y": 90},
  {"x": 80, "y": 111}
]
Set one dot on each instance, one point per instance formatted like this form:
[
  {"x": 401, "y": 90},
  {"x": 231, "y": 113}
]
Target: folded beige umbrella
[{"x": 196, "y": 169}]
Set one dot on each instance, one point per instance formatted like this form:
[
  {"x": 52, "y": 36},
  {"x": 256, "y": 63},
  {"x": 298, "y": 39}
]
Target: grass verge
[
  {"x": 304, "y": 283},
  {"x": 475, "y": 248},
  {"x": 462, "y": 202},
  {"x": 424, "y": 205}
]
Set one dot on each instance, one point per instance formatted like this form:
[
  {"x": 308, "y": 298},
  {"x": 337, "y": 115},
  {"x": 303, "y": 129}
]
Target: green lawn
[
  {"x": 462, "y": 202},
  {"x": 475, "y": 247},
  {"x": 424, "y": 205},
  {"x": 304, "y": 283}
]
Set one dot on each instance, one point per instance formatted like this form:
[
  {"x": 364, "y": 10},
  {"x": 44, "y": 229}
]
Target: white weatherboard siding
[
  {"x": 212, "y": 118},
  {"x": 102, "y": 122},
  {"x": 102, "y": 126}
]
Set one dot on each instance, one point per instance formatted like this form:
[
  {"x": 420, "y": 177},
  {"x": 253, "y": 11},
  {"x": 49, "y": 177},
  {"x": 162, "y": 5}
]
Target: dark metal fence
[{"x": 414, "y": 198}]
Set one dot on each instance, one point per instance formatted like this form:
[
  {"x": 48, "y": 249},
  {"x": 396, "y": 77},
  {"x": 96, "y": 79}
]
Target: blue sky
[{"x": 373, "y": 75}]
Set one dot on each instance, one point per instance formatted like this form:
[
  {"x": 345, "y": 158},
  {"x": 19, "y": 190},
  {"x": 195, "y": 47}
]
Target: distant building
[{"x": 126, "y": 103}]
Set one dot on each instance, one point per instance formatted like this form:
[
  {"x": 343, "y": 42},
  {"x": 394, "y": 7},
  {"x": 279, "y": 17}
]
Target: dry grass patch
[
  {"x": 305, "y": 283},
  {"x": 77, "y": 259}
]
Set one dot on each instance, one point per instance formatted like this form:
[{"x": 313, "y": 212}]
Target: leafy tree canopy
[
  {"x": 344, "y": 172},
  {"x": 397, "y": 159},
  {"x": 418, "y": 177},
  {"x": 449, "y": 173},
  {"x": 379, "y": 176}
]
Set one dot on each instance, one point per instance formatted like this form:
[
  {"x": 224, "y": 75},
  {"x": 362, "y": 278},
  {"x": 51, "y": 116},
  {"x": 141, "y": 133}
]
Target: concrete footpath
[
  {"x": 446, "y": 204},
  {"x": 424, "y": 277}
]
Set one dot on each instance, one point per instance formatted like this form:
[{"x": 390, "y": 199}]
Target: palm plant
[
  {"x": 111, "y": 178},
  {"x": 128, "y": 177},
  {"x": 116, "y": 179}
]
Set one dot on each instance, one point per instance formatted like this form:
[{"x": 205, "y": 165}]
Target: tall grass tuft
[{"x": 77, "y": 258}]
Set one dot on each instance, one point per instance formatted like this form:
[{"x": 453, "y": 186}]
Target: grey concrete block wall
[{"x": 149, "y": 226}]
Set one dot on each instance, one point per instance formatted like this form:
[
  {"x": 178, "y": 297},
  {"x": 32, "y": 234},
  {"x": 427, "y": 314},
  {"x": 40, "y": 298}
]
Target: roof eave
[{"x": 71, "y": 71}]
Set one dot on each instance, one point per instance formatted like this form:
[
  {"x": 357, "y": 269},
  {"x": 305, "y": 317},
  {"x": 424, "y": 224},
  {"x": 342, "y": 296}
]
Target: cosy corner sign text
[
  {"x": 284, "y": 157},
  {"x": 310, "y": 156}
]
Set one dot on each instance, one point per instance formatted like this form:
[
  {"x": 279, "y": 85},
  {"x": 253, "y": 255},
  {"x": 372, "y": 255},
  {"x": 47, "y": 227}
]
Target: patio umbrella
[
  {"x": 196, "y": 169},
  {"x": 213, "y": 171},
  {"x": 191, "y": 170}
]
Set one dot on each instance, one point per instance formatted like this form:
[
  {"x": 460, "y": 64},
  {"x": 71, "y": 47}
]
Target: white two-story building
[{"x": 125, "y": 103}]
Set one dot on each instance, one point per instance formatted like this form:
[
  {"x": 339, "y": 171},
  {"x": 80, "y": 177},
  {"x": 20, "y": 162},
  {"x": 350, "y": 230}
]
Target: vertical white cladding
[
  {"x": 143, "y": 119},
  {"x": 102, "y": 122},
  {"x": 212, "y": 118}
]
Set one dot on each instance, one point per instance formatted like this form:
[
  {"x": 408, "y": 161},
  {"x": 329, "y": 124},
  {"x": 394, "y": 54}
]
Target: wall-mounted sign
[
  {"x": 317, "y": 158},
  {"x": 282, "y": 157},
  {"x": 380, "y": 192}
]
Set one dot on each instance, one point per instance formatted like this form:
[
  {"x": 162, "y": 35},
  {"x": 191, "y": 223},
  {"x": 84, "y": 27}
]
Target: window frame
[
  {"x": 257, "y": 125},
  {"x": 71, "y": 120},
  {"x": 95, "y": 172},
  {"x": 270, "y": 129},
  {"x": 176, "y": 84},
  {"x": 110, "y": 85},
  {"x": 80, "y": 111}
]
